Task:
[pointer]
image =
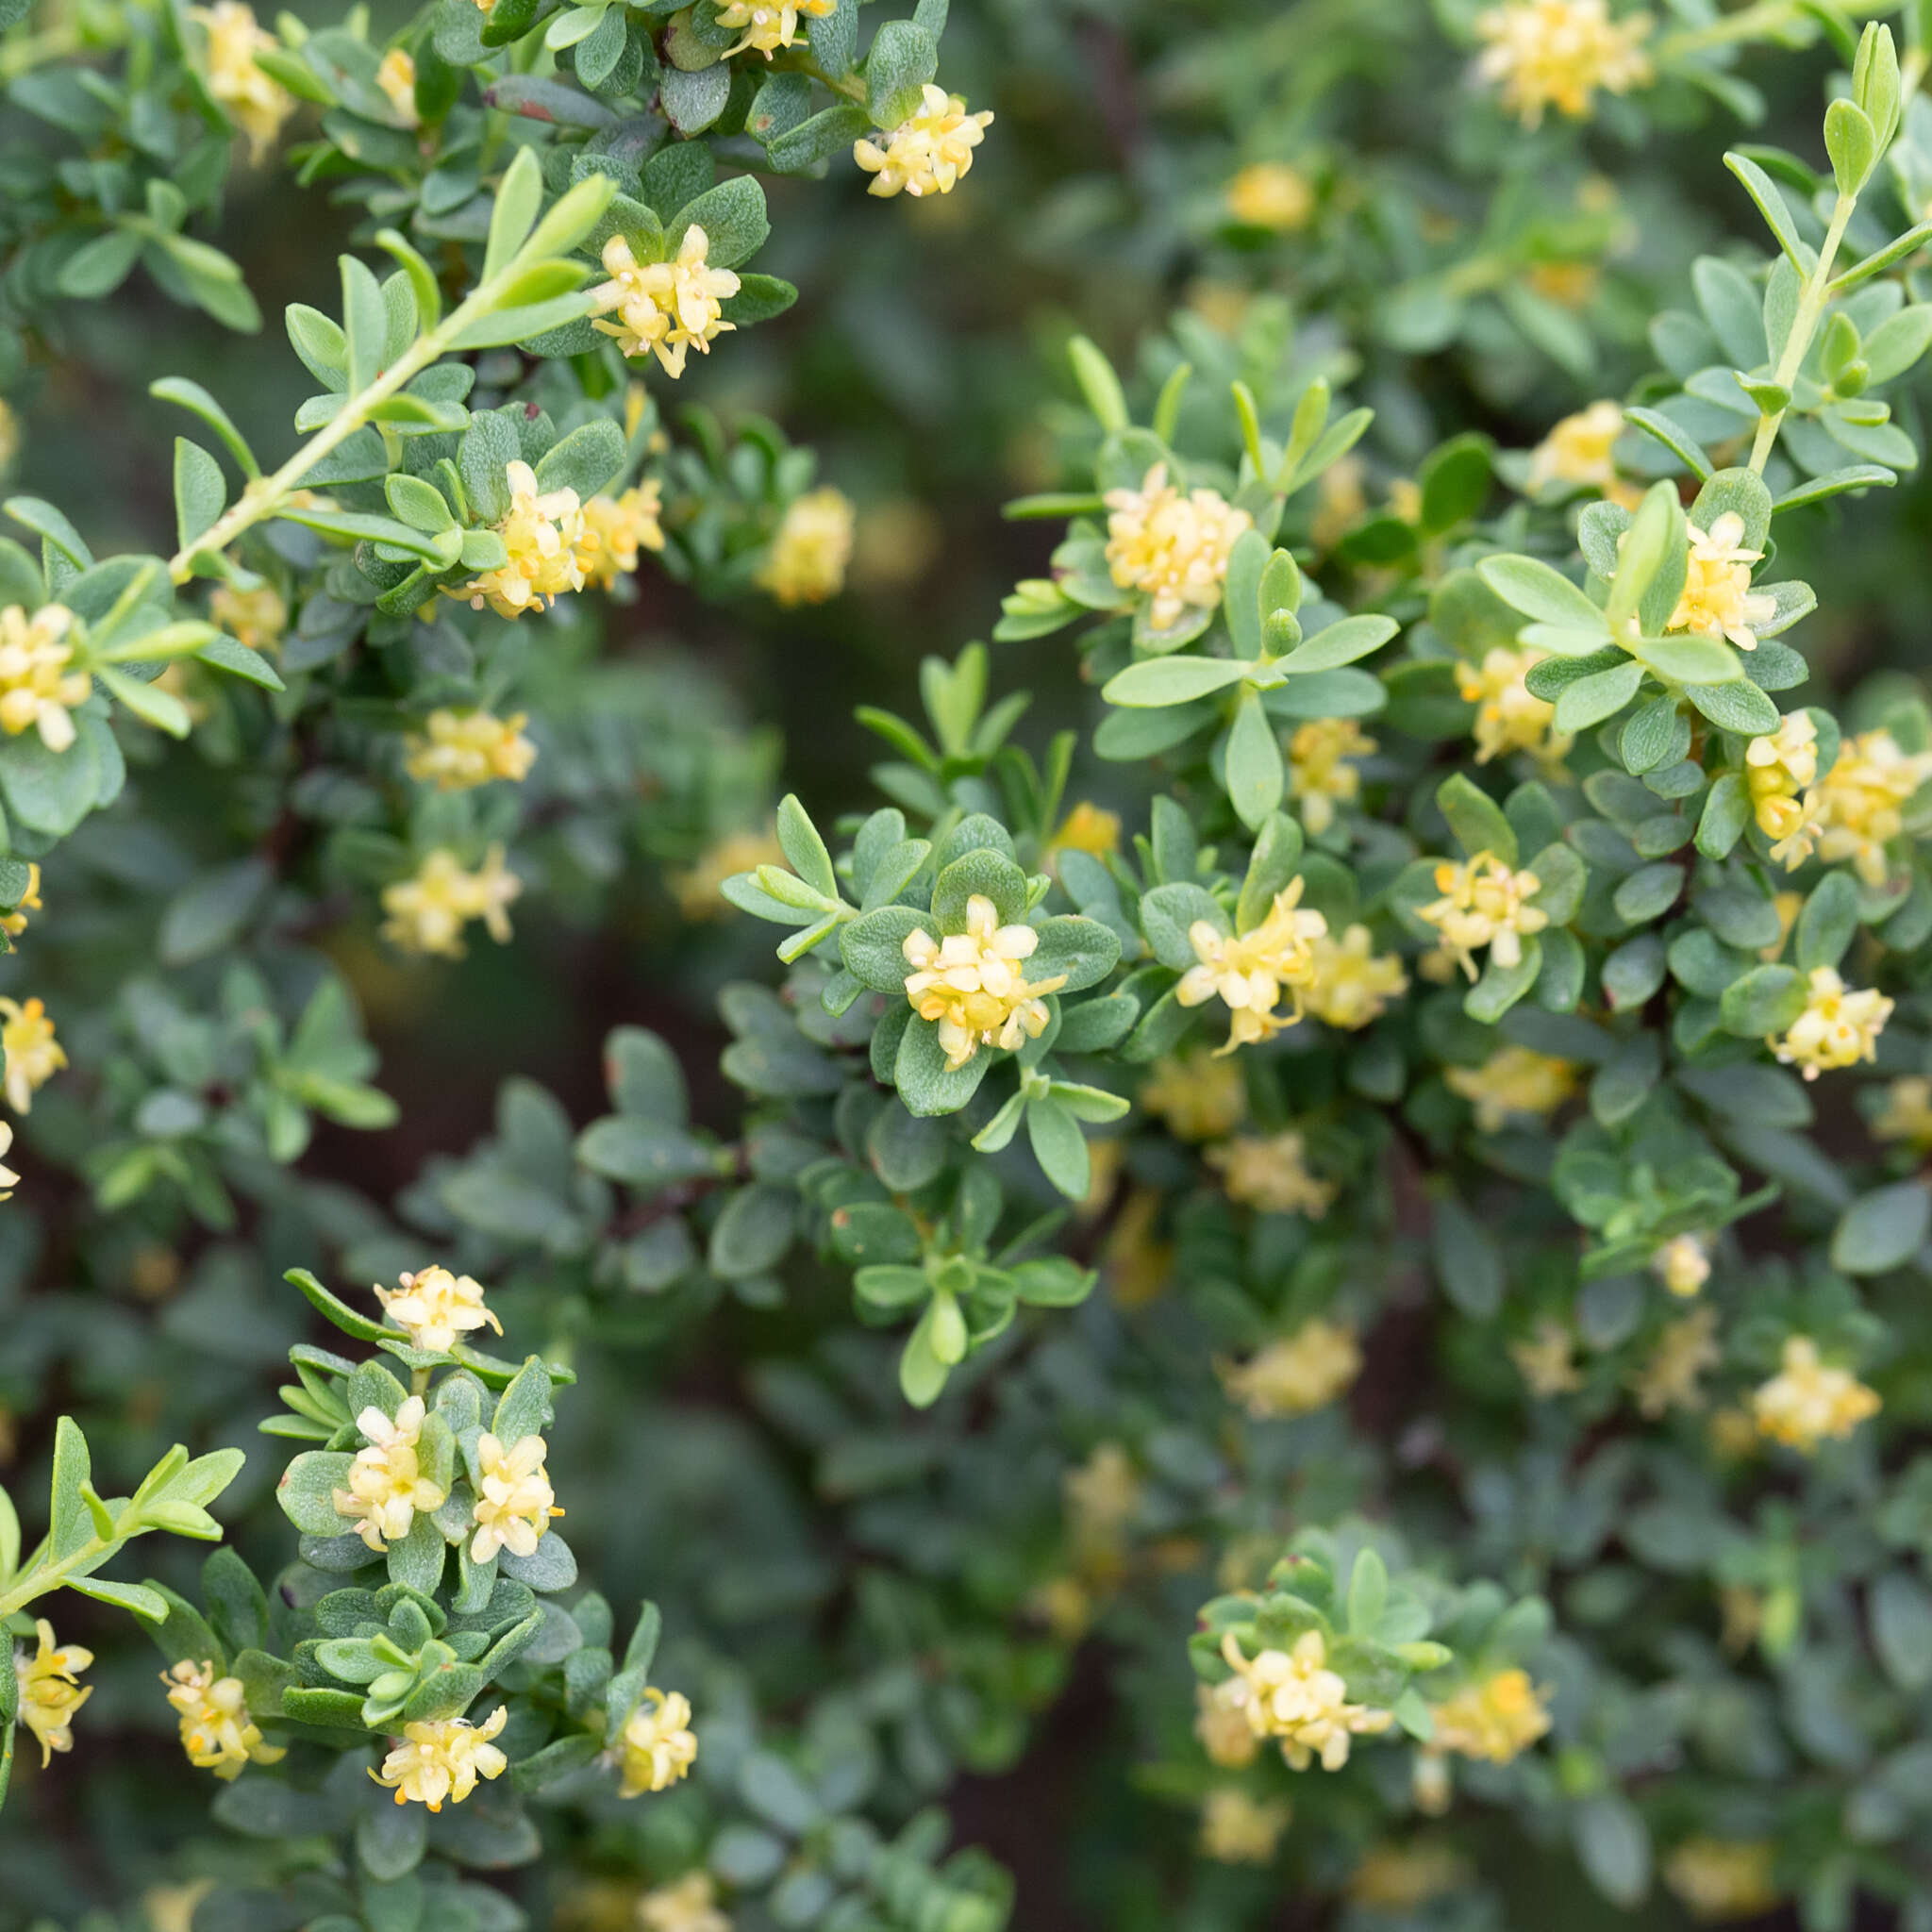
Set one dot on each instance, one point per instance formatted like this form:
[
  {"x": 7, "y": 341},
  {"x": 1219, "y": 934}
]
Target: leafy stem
[{"x": 1811, "y": 301}]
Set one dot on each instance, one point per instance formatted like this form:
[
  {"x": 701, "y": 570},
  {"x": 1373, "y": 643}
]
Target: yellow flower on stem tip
[
  {"x": 1237, "y": 1829},
  {"x": 1717, "y": 600},
  {"x": 930, "y": 152},
  {"x": 1809, "y": 1399},
  {"x": 1547, "y": 1361},
  {"x": 686, "y": 1905},
  {"x": 806, "y": 563},
  {"x": 1222, "y": 1726},
  {"x": 657, "y": 1746},
  {"x": 458, "y": 750},
  {"x": 256, "y": 618},
  {"x": 13, "y": 923},
  {"x": 396, "y": 78},
  {"x": 217, "y": 1732},
  {"x": 541, "y": 532},
  {"x": 1515, "y": 1082},
  {"x": 1484, "y": 902},
  {"x": 970, "y": 985},
  {"x": 1576, "y": 455},
  {"x": 441, "y": 1760},
  {"x": 1682, "y": 1264},
  {"x": 1090, "y": 828},
  {"x": 1858, "y": 808},
  {"x": 1778, "y": 766},
  {"x": 433, "y": 1307},
  {"x": 37, "y": 689},
  {"x": 428, "y": 913},
  {"x": 664, "y": 307},
  {"x": 616, "y": 528},
  {"x": 1171, "y": 548},
  {"x": 1668, "y": 1378},
  {"x": 1907, "y": 1114},
  {"x": 1270, "y": 195},
  {"x": 1557, "y": 53},
  {"x": 256, "y": 102},
  {"x": 33, "y": 1057},
  {"x": 1492, "y": 1720},
  {"x": 1249, "y": 972},
  {"x": 1353, "y": 982},
  {"x": 1508, "y": 715},
  {"x": 1268, "y": 1172},
  {"x": 1200, "y": 1095},
  {"x": 1294, "y": 1696},
  {"x": 1839, "y": 1026},
  {"x": 1400, "y": 1877},
  {"x": 766, "y": 25},
  {"x": 50, "y": 1689},
  {"x": 514, "y": 1500},
  {"x": 698, "y": 889},
  {"x": 1321, "y": 772},
  {"x": 1296, "y": 1373},
  {"x": 1723, "y": 1879},
  {"x": 387, "y": 1487}
]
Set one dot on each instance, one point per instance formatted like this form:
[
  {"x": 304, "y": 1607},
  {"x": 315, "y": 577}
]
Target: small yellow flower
[
  {"x": 514, "y": 1500},
  {"x": 1293, "y": 1695},
  {"x": 1907, "y": 1115},
  {"x": 1514, "y": 1083},
  {"x": 1809, "y": 1399},
  {"x": 13, "y": 923},
  {"x": 463, "y": 749},
  {"x": 37, "y": 691},
  {"x": 396, "y": 78},
  {"x": 1717, "y": 599},
  {"x": 1547, "y": 1360},
  {"x": 1682, "y": 1264},
  {"x": 433, "y": 1307},
  {"x": 1723, "y": 1879},
  {"x": 542, "y": 532},
  {"x": 387, "y": 1487},
  {"x": 1101, "y": 1494},
  {"x": 1321, "y": 769},
  {"x": 1859, "y": 806},
  {"x": 930, "y": 152},
  {"x": 1268, "y": 1173},
  {"x": 50, "y": 1689},
  {"x": 1200, "y": 1095},
  {"x": 442, "y": 1759},
  {"x": 766, "y": 25},
  {"x": 1249, "y": 972},
  {"x": 1838, "y": 1028},
  {"x": 698, "y": 889},
  {"x": 1573, "y": 285},
  {"x": 807, "y": 561},
  {"x": 428, "y": 913},
  {"x": 1484, "y": 902},
  {"x": 969, "y": 983},
  {"x": 256, "y": 618},
  {"x": 1787, "y": 906},
  {"x": 1576, "y": 455},
  {"x": 8, "y": 1181},
  {"x": 257, "y": 104},
  {"x": 664, "y": 307},
  {"x": 33, "y": 1057},
  {"x": 1778, "y": 766},
  {"x": 1400, "y": 1877},
  {"x": 1237, "y": 1829},
  {"x": 1557, "y": 53},
  {"x": 1270, "y": 195},
  {"x": 686, "y": 1905},
  {"x": 658, "y": 1745},
  {"x": 1086, "y": 828},
  {"x": 171, "y": 1907},
  {"x": 1171, "y": 548},
  {"x": 1493, "y": 1720},
  {"x": 217, "y": 1732},
  {"x": 1508, "y": 716},
  {"x": 1684, "y": 1351},
  {"x": 1353, "y": 983},
  {"x": 1296, "y": 1373},
  {"x": 1220, "y": 1724},
  {"x": 616, "y": 528}
]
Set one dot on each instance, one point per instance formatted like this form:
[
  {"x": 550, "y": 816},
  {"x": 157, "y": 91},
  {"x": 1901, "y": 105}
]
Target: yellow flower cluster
[
  {"x": 1101, "y": 1494},
  {"x": 256, "y": 618},
  {"x": 51, "y": 1691},
  {"x": 32, "y": 1054},
  {"x": 1249, "y": 972},
  {"x": 257, "y": 104},
  {"x": 1321, "y": 772},
  {"x": 971, "y": 984},
  {"x": 1907, "y": 1114},
  {"x": 1556, "y": 53},
  {"x": 13, "y": 923},
  {"x": 1682, "y": 1264},
  {"x": 428, "y": 913},
  {"x": 1269, "y": 1173},
  {"x": 37, "y": 689},
  {"x": 807, "y": 561},
  {"x": 1723, "y": 1879},
  {"x": 1492, "y": 1719},
  {"x": 1809, "y": 1399},
  {"x": 686, "y": 1905},
  {"x": 1577, "y": 455},
  {"x": 1353, "y": 982},
  {"x": 664, "y": 307},
  {"x": 1668, "y": 1379},
  {"x": 217, "y": 1732},
  {"x": 514, "y": 1500},
  {"x": 1515, "y": 1082},
  {"x": 1200, "y": 1095},
  {"x": 1859, "y": 806},
  {"x": 1839, "y": 1026},
  {"x": 697, "y": 890},
  {"x": 616, "y": 528},
  {"x": 1086, "y": 828},
  {"x": 463, "y": 749},
  {"x": 1171, "y": 548},
  {"x": 433, "y": 1307},
  {"x": 396, "y": 78},
  {"x": 1296, "y": 1373},
  {"x": 1237, "y": 1829},
  {"x": 1292, "y": 1695},
  {"x": 541, "y": 532},
  {"x": 442, "y": 1759},
  {"x": 930, "y": 151},
  {"x": 1778, "y": 766},
  {"x": 1717, "y": 600},
  {"x": 1508, "y": 716},
  {"x": 1547, "y": 1361},
  {"x": 387, "y": 1485},
  {"x": 1484, "y": 902},
  {"x": 1400, "y": 1877},
  {"x": 1270, "y": 195},
  {"x": 658, "y": 1745},
  {"x": 767, "y": 28}
]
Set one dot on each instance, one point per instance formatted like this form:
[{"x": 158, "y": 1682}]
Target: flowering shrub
[{"x": 1319, "y": 1242}]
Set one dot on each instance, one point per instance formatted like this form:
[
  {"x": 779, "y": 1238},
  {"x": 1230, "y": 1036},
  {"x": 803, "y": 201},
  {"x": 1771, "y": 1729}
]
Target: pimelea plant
[{"x": 1302, "y": 1293}]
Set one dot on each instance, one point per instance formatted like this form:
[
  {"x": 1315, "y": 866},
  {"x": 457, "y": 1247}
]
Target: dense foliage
[{"x": 1297, "y": 1296}]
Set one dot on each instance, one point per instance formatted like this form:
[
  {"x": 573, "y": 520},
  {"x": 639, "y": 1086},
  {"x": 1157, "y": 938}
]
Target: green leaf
[
  {"x": 1740, "y": 708},
  {"x": 1156, "y": 681},
  {"x": 926, "y": 1084},
  {"x": 1600, "y": 696},
  {"x": 1533, "y": 587},
  {"x": 1476, "y": 820},
  {"x": 1764, "y": 1002},
  {"x": 1254, "y": 777},
  {"x": 201, "y": 492},
  {"x": 805, "y": 851},
  {"x": 517, "y": 200},
  {"x": 365, "y": 325},
  {"x": 1882, "y": 1230},
  {"x": 1060, "y": 1146},
  {"x": 1828, "y": 922},
  {"x": 158, "y": 707},
  {"x": 191, "y": 396},
  {"x": 1772, "y": 206}
]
